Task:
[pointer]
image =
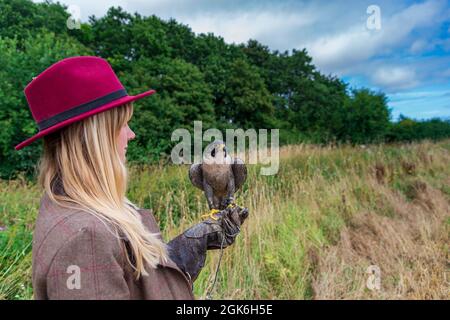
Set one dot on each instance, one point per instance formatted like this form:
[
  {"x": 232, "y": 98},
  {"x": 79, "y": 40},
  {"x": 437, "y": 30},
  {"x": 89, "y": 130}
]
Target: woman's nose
[{"x": 131, "y": 134}]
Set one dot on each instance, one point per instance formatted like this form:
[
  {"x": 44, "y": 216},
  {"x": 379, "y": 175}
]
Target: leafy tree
[
  {"x": 111, "y": 37},
  {"x": 182, "y": 96},
  {"x": 407, "y": 129},
  {"x": 20, "y": 18},
  {"x": 18, "y": 68},
  {"x": 367, "y": 117},
  {"x": 247, "y": 102},
  {"x": 197, "y": 77}
]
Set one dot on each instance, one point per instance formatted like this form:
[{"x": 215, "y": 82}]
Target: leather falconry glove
[{"x": 188, "y": 250}]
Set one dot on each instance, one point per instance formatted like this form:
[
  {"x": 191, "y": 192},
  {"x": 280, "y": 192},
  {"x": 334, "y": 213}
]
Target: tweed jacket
[{"x": 75, "y": 256}]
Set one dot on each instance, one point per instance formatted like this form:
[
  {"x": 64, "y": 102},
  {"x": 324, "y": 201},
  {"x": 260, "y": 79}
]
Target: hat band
[{"x": 83, "y": 108}]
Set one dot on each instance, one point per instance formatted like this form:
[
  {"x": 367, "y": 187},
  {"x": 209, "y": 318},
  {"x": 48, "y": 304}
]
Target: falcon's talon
[{"x": 211, "y": 214}]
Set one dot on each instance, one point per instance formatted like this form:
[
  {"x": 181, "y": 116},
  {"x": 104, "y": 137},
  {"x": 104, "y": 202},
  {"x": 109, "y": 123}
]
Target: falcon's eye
[{"x": 213, "y": 152}]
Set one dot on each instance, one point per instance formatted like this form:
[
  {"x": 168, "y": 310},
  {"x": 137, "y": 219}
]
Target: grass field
[{"x": 313, "y": 230}]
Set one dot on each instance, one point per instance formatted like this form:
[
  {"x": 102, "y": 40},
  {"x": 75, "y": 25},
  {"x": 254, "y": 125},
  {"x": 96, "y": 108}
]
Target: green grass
[{"x": 293, "y": 215}]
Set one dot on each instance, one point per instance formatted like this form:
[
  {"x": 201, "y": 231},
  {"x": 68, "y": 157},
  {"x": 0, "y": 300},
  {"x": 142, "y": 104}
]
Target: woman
[{"x": 90, "y": 241}]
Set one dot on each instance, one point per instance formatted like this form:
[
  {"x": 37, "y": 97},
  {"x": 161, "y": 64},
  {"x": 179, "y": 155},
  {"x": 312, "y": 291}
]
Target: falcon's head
[{"x": 216, "y": 153}]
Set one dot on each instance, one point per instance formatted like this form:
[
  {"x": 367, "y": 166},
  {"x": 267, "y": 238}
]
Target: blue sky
[{"x": 408, "y": 57}]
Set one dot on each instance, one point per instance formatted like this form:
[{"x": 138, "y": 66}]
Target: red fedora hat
[{"x": 71, "y": 90}]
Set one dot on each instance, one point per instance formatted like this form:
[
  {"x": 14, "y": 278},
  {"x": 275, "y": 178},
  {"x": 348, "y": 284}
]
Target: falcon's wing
[
  {"x": 240, "y": 172},
  {"x": 196, "y": 175}
]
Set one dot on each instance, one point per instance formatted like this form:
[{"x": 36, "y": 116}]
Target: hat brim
[{"x": 65, "y": 123}]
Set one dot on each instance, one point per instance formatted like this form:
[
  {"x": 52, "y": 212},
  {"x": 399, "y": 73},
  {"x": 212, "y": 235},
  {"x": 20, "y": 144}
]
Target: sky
[{"x": 399, "y": 47}]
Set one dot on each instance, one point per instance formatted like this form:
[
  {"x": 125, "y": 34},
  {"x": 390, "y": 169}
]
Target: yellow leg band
[{"x": 211, "y": 214}]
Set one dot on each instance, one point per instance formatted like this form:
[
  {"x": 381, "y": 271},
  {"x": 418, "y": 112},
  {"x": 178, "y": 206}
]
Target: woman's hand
[
  {"x": 220, "y": 232},
  {"x": 188, "y": 250}
]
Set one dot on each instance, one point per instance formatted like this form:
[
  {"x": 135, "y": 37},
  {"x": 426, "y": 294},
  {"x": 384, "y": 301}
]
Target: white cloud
[
  {"x": 334, "y": 33},
  {"x": 395, "y": 78},
  {"x": 414, "y": 95},
  {"x": 341, "y": 51},
  {"x": 420, "y": 46},
  {"x": 239, "y": 27},
  {"x": 97, "y": 8}
]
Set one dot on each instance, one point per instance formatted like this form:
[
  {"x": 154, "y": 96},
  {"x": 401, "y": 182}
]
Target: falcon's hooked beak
[{"x": 224, "y": 149}]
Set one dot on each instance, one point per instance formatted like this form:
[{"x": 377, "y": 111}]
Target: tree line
[{"x": 197, "y": 77}]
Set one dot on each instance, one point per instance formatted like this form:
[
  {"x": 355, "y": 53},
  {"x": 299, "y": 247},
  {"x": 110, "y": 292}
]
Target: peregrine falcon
[{"x": 219, "y": 176}]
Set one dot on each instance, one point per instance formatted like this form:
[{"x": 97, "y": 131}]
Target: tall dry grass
[{"x": 313, "y": 230}]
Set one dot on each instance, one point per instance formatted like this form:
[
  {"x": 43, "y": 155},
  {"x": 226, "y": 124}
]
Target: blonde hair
[{"x": 84, "y": 160}]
